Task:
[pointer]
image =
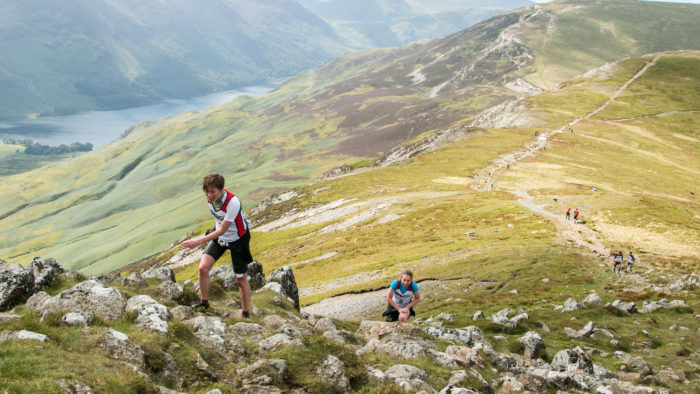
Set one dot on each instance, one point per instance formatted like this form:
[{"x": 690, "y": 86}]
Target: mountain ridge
[{"x": 351, "y": 110}]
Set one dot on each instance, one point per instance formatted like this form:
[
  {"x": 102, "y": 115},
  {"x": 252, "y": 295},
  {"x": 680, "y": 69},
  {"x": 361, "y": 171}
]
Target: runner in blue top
[{"x": 402, "y": 296}]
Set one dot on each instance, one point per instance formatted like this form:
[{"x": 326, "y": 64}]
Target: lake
[{"x": 103, "y": 127}]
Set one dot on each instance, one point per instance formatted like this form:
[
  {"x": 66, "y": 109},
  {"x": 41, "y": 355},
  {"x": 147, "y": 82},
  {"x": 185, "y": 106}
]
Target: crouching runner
[
  {"x": 402, "y": 296},
  {"x": 231, "y": 233}
]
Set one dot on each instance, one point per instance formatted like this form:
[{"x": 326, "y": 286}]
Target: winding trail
[
  {"x": 484, "y": 177},
  {"x": 576, "y": 233},
  {"x": 359, "y": 306}
]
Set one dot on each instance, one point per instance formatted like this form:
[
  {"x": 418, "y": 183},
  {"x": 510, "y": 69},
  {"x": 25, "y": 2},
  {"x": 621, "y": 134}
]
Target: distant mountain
[
  {"x": 383, "y": 23},
  {"x": 131, "y": 198},
  {"x": 59, "y": 57}
]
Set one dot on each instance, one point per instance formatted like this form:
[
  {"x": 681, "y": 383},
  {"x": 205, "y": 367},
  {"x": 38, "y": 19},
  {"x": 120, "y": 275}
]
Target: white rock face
[
  {"x": 408, "y": 377},
  {"x": 90, "y": 296},
  {"x": 151, "y": 314},
  {"x": 277, "y": 341},
  {"x": 593, "y": 300},
  {"x": 162, "y": 273},
  {"x": 332, "y": 370},
  {"x": 570, "y": 305},
  {"x": 533, "y": 343},
  {"x": 120, "y": 347},
  {"x": 22, "y": 335},
  {"x": 77, "y": 319}
]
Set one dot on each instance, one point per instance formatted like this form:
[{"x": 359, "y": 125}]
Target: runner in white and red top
[{"x": 230, "y": 233}]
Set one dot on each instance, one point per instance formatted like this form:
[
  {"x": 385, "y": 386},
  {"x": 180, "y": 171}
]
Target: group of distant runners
[
  {"x": 618, "y": 259},
  {"x": 231, "y": 233},
  {"x": 568, "y": 214}
]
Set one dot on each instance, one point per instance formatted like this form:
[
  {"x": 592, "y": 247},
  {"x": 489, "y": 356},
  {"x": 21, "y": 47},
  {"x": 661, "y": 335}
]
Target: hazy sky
[{"x": 663, "y": 1}]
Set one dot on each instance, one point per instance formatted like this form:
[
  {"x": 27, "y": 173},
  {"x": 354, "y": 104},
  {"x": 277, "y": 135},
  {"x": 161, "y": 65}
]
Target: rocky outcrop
[
  {"x": 325, "y": 324},
  {"x": 120, "y": 347},
  {"x": 277, "y": 341},
  {"x": 160, "y": 273},
  {"x": 533, "y": 344},
  {"x": 89, "y": 296},
  {"x": 570, "y": 305},
  {"x": 636, "y": 363},
  {"x": 22, "y": 335},
  {"x": 572, "y": 360},
  {"x": 9, "y": 317},
  {"x": 369, "y": 328},
  {"x": 133, "y": 280},
  {"x": 285, "y": 285},
  {"x": 593, "y": 299},
  {"x": 171, "y": 290},
  {"x": 256, "y": 276},
  {"x": 467, "y": 335},
  {"x": 653, "y": 306},
  {"x": 399, "y": 346},
  {"x": 332, "y": 371},
  {"x": 211, "y": 332},
  {"x": 45, "y": 272},
  {"x": 501, "y": 318},
  {"x": 628, "y": 307},
  {"x": 16, "y": 285},
  {"x": 150, "y": 314},
  {"x": 408, "y": 377},
  {"x": 77, "y": 319}
]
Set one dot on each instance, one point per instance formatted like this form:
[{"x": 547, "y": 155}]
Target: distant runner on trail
[
  {"x": 617, "y": 258},
  {"x": 576, "y": 215},
  {"x": 402, "y": 296},
  {"x": 568, "y": 213},
  {"x": 231, "y": 233},
  {"x": 630, "y": 262}
]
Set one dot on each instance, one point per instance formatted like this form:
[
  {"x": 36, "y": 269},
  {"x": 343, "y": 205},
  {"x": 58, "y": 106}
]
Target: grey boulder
[
  {"x": 332, "y": 371},
  {"x": 572, "y": 360},
  {"x": 533, "y": 344},
  {"x": 161, "y": 273},
  {"x": 22, "y": 335},
  {"x": 150, "y": 314},
  {"x": 16, "y": 285},
  {"x": 45, "y": 272},
  {"x": 89, "y": 296},
  {"x": 287, "y": 284}
]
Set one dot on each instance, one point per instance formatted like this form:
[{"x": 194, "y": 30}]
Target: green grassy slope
[
  {"x": 643, "y": 171},
  {"x": 60, "y": 58},
  {"x": 132, "y": 198}
]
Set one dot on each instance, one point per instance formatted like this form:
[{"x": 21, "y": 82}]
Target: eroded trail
[
  {"x": 575, "y": 233},
  {"x": 572, "y": 232},
  {"x": 484, "y": 177}
]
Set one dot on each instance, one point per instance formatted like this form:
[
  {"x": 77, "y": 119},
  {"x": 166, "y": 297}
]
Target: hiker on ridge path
[
  {"x": 630, "y": 262},
  {"x": 576, "y": 215},
  {"x": 568, "y": 213},
  {"x": 231, "y": 233},
  {"x": 617, "y": 258},
  {"x": 403, "y": 295}
]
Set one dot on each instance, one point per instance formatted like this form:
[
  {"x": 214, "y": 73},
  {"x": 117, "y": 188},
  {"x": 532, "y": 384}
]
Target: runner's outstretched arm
[{"x": 194, "y": 242}]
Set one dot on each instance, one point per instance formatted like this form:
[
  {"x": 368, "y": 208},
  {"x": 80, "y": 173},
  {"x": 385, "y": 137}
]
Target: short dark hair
[{"x": 213, "y": 180}]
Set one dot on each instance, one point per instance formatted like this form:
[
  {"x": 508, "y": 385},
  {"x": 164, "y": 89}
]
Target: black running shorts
[
  {"x": 394, "y": 314},
  {"x": 240, "y": 253}
]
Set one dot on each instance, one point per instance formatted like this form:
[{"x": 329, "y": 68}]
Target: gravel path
[{"x": 363, "y": 306}]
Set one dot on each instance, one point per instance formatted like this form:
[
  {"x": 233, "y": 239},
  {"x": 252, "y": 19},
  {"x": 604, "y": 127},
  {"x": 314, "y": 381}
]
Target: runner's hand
[{"x": 190, "y": 244}]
